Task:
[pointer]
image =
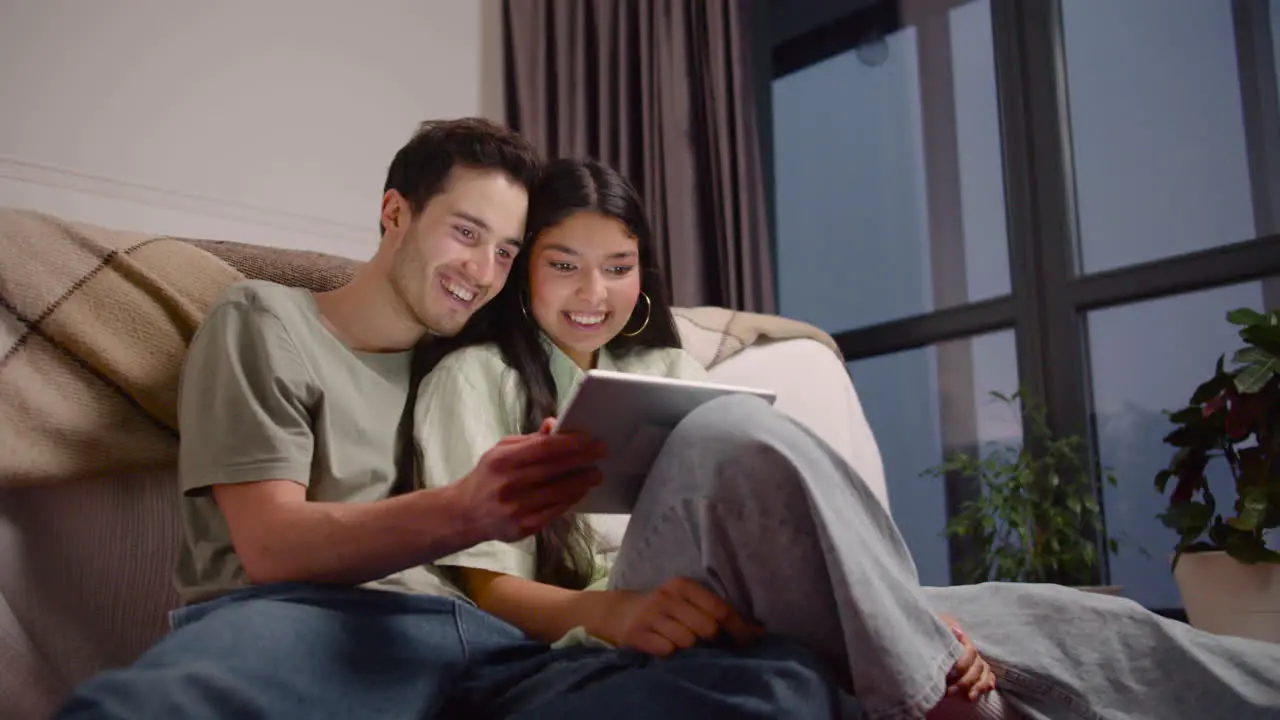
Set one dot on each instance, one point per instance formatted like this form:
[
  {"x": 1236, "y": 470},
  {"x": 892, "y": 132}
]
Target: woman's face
[{"x": 584, "y": 281}]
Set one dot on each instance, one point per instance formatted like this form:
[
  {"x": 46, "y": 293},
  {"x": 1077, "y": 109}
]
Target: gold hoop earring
[{"x": 647, "y": 313}]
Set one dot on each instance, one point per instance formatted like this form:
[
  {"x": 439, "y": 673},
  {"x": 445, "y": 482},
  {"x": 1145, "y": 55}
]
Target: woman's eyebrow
[
  {"x": 570, "y": 251},
  {"x": 562, "y": 249}
]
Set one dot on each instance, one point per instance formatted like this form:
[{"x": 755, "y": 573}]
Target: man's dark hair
[{"x": 419, "y": 170}]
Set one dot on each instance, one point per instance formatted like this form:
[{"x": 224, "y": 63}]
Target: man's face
[{"x": 455, "y": 255}]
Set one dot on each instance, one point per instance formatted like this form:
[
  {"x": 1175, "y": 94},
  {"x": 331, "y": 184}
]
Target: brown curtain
[{"x": 662, "y": 90}]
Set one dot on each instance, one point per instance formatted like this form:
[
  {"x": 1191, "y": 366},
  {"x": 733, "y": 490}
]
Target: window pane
[
  {"x": 1275, "y": 33},
  {"x": 1147, "y": 358},
  {"x": 903, "y": 396},
  {"x": 1157, "y": 128},
  {"x": 888, "y": 207}
]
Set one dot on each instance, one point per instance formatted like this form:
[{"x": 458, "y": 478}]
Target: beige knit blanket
[{"x": 94, "y": 325}]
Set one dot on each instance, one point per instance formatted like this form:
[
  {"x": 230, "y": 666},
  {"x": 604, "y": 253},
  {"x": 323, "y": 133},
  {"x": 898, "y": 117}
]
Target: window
[
  {"x": 925, "y": 404},
  {"x": 976, "y": 195},
  {"x": 1157, "y": 129},
  {"x": 1143, "y": 361},
  {"x": 911, "y": 238}
]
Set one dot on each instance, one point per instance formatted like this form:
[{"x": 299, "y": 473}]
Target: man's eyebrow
[
  {"x": 484, "y": 226},
  {"x": 468, "y": 217}
]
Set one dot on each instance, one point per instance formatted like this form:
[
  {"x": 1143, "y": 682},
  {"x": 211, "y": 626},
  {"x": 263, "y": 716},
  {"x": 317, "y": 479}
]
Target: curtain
[{"x": 663, "y": 90}]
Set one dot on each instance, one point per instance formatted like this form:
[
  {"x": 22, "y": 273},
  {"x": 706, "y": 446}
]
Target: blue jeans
[{"x": 286, "y": 651}]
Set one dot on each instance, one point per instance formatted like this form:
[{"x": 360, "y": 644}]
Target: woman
[{"x": 778, "y": 526}]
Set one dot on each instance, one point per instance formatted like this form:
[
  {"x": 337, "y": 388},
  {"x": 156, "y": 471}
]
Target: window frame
[{"x": 1049, "y": 297}]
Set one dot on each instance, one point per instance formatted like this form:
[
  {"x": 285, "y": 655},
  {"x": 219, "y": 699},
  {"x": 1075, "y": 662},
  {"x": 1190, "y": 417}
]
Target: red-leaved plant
[{"x": 1234, "y": 415}]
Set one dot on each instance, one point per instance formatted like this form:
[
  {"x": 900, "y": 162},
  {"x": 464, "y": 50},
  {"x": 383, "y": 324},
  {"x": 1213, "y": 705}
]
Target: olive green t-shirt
[{"x": 268, "y": 393}]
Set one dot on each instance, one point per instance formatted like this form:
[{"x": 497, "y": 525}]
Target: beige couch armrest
[{"x": 814, "y": 388}]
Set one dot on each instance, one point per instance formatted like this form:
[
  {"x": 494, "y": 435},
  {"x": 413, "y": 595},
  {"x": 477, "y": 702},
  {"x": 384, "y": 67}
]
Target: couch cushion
[
  {"x": 28, "y": 684},
  {"x": 85, "y": 571}
]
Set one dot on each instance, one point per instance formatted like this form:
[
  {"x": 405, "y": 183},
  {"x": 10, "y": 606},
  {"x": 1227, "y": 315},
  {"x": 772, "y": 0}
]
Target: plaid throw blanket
[
  {"x": 94, "y": 325},
  {"x": 715, "y": 334}
]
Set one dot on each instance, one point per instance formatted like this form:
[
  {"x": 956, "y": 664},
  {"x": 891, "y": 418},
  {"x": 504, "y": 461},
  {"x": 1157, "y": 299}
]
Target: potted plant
[
  {"x": 1035, "y": 514},
  {"x": 1228, "y": 576}
]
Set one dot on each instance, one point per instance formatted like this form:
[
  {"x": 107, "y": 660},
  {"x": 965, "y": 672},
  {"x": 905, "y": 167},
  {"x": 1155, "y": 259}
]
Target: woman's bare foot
[
  {"x": 971, "y": 677},
  {"x": 971, "y": 686}
]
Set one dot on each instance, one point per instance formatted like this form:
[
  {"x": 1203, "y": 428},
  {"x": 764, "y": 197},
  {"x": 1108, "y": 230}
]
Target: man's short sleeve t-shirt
[{"x": 269, "y": 393}]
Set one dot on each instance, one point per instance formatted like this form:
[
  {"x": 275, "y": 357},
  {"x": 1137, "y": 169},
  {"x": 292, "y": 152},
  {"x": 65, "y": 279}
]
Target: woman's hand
[
  {"x": 971, "y": 675},
  {"x": 679, "y": 614}
]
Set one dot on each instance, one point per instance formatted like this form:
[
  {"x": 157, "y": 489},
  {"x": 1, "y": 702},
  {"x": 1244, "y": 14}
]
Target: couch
[{"x": 85, "y": 562}]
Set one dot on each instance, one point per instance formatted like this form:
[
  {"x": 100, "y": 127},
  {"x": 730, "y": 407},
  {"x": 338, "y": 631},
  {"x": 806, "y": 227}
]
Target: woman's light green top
[{"x": 472, "y": 399}]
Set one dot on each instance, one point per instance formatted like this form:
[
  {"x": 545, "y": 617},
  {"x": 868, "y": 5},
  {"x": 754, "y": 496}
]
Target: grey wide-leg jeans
[{"x": 767, "y": 515}]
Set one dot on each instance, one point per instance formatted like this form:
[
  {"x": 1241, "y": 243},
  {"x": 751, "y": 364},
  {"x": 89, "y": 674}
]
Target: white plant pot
[{"x": 1228, "y": 597}]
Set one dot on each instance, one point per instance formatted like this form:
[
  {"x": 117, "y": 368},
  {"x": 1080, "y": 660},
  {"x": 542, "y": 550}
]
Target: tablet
[{"x": 633, "y": 414}]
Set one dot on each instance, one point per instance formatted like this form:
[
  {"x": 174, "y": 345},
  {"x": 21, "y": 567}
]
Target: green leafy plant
[
  {"x": 1035, "y": 513},
  {"x": 1234, "y": 415}
]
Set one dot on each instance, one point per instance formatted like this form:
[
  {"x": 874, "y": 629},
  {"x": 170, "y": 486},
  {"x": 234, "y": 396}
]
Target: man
[{"x": 306, "y": 578}]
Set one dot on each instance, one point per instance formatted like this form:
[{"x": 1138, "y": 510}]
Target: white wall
[{"x": 266, "y": 121}]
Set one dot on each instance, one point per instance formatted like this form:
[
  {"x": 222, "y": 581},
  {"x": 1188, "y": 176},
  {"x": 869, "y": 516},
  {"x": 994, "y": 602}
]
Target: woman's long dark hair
[{"x": 564, "y": 188}]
